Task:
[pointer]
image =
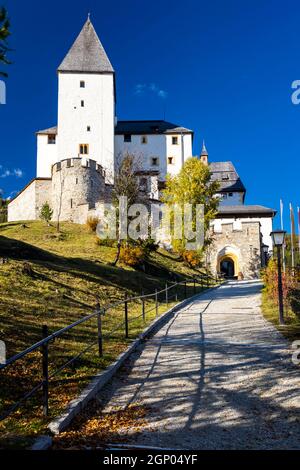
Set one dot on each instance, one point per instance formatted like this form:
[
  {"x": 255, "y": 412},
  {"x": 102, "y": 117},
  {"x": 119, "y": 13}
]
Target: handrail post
[
  {"x": 99, "y": 324},
  {"x": 207, "y": 281},
  {"x": 194, "y": 286},
  {"x": 45, "y": 372},
  {"x": 156, "y": 303},
  {"x": 126, "y": 317},
  {"x": 143, "y": 307},
  {"x": 167, "y": 300},
  {"x": 176, "y": 291},
  {"x": 185, "y": 293}
]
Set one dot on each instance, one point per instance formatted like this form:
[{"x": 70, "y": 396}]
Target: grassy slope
[
  {"x": 69, "y": 272},
  {"x": 291, "y": 329}
]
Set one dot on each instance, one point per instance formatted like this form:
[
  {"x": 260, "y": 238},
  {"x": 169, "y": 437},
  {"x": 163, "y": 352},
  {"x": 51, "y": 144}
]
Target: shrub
[
  {"x": 92, "y": 222},
  {"x": 148, "y": 245},
  {"x": 106, "y": 242},
  {"x": 193, "y": 259},
  {"x": 270, "y": 278},
  {"x": 132, "y": 255}
]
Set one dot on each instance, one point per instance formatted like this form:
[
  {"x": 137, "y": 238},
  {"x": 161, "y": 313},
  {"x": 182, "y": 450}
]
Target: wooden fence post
[
  {"x": 156, "y": 303},
  {"x": 143, "y": 308},
  {"x": 185, "y": 292},
  {"x": 126, "y": 317},
  {"x": 167, "y": 299},
  {"x": 45, "y": 372},
  {"x": 194, "y": 286}
]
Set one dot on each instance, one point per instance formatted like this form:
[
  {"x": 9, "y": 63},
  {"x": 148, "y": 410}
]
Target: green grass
[
  {"x": 291, "y": 329},
  {"x": 70, "y": 271}
]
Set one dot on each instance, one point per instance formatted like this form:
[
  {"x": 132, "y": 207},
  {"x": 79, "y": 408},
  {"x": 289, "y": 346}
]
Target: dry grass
[{"x": 70, "y": 272}]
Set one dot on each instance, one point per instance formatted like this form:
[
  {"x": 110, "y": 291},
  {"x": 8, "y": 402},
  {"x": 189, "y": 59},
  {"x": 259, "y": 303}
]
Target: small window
[
  {"x": 154, "y": 161},
  {"x": 83, "y": 149},
  {"x": 71, "y": 203},
  {"x": 144, "y": 139},
  {"x": 88, "y": 128},
  {"x": 51, "y": 139},
  {"x": 170, "y": 160},
  {"x": 76, "y": 181},
  {"x": 174, "y": 140},
  {"x": 82, "y": 103},
  {"x": 69, "y": 163},
  {"x": 82, "y": 84},
  {"x": 127, "y": 138},
  {"x": 144, "y": 183},
  {"x": 58, "y": 166}
]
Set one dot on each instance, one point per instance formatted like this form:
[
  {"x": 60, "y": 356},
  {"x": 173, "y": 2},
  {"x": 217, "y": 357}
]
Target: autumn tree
[
  {"x": 192, "y": 185},
  {"x": 126, "y": 183},
  {"x": 4, "y": 34}
]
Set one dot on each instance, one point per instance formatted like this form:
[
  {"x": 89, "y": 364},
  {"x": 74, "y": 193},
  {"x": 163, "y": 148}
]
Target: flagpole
[
  {"x": 292, "y": 235},
  {"x": 282, "y": 228}
]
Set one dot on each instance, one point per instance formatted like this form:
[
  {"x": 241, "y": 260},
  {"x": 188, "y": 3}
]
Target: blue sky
[{"x": 222, "y": 68}]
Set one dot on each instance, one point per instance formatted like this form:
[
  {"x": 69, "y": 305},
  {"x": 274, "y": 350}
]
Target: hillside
[{"x": 54, "y": 279}]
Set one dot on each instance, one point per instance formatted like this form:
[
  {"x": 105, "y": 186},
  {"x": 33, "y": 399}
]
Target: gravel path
[{"x": 217, "y": 376}]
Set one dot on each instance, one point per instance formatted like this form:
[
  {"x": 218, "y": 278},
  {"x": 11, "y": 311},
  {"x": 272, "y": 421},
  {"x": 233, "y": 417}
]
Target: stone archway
[
  {"x": 228, "y": 262},
  {"x": 227, "y": 267}
]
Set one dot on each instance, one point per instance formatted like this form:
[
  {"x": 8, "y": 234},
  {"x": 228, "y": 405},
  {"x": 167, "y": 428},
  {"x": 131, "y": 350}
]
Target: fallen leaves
[{"x": 99, "y": 427}]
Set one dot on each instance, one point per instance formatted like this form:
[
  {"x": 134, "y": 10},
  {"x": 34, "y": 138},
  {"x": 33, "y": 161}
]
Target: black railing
[{"x": 168, "y": 294}]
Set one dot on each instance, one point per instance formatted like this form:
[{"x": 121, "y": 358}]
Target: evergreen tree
[
  {"x": 3, "y": 209},
  {"x": 4, "y": 34},
  {"x": 46, "y": 213}
]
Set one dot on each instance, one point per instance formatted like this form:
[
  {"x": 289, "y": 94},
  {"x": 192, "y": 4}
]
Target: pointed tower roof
[
  {"x": 204, "y": 152},
  {"x": 87, "y": 53}
]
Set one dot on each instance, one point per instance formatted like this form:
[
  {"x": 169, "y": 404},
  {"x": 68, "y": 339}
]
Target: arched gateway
[{"x": 228, "y": 262}]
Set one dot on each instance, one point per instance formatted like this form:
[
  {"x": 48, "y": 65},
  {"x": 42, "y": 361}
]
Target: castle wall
[
  {"x": 27, "y": 205},
  {"x": 77, "y": 185},
  {"x": 241, "y": 242},
  {"x": 266, "y": 226}
]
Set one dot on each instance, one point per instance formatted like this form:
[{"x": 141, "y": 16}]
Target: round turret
[{"x": 76, "y": 182}]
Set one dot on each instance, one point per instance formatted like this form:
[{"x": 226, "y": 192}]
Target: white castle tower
[{"x": 86, "y": 108}]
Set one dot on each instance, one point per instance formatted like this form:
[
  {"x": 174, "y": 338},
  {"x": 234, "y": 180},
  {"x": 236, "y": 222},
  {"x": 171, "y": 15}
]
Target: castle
[{"x": 76, "y": 162}]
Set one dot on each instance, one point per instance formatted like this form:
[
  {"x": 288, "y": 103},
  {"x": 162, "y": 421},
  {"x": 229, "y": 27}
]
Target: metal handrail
[
  {"x": 98, "y": 312},
  {"x": 86, "y": 318}
]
